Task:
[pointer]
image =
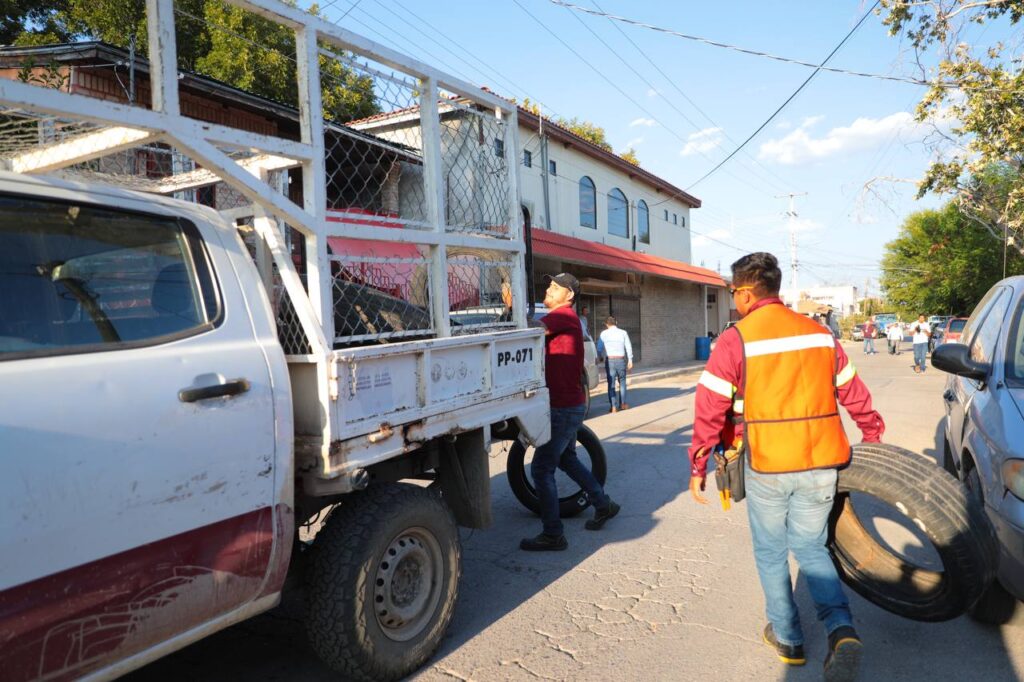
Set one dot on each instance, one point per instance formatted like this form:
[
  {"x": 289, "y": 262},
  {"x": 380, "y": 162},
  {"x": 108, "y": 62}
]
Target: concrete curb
[{"x": 654, "y": 374}]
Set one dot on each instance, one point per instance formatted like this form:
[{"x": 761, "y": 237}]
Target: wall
[
  {"x": 672, "y": 316},
  {"x": 667, "y": 240}
]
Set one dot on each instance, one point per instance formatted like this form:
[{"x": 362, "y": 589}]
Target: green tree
[
  {"x": 590, "y": 132},
  {"x": 977, "y": 91},
  {"x": 942, "y": 262},
  {"x": 215, "y": 39},
  {"x": 630, "y": 156}
]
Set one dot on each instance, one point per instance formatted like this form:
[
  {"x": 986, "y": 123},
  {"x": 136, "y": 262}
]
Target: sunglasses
[{"x": 733, "y": 290}]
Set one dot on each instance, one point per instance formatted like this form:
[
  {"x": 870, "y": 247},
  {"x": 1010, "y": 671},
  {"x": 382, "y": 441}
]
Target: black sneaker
[
  {"x": 544, "y": 543},
  {"x": 601, "y": 516},
  {"x": 843, "y": 659},
  {"x": 790, "y": 654}
]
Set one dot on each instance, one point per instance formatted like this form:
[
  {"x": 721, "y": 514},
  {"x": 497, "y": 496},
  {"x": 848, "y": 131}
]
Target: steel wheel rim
[{"x": 407, "y": 584}]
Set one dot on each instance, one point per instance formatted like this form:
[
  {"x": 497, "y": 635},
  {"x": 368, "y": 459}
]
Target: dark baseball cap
[{"x": 565, "y": 280}]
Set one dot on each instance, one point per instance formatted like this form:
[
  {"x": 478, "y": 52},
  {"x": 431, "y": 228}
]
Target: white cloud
[
  {"x": 632, "y": 144},
  {"x": 651, "y": 92},
  {"x": 719, "y": 234},
  {"x": 800, "y": 146},
  {"x": 702, "y": 141},
  {"x": 800, "y": 225},
  {"x": 646, "y": 122}
]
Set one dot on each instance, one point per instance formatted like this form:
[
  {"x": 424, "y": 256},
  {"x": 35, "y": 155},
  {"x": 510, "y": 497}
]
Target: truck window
[{"x": 78, "y": 278}]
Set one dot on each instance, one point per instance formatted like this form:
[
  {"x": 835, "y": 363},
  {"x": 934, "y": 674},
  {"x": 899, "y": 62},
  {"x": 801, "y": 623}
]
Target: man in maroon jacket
[{"x": 563, "y": 366}]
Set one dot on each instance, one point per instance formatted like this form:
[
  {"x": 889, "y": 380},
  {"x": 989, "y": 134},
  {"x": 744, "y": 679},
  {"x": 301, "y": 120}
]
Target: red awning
[{"x": 583, "y": 252}]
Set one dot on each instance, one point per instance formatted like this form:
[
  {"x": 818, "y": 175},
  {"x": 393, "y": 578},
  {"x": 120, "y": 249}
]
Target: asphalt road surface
[{"x": 667, "y": 591}]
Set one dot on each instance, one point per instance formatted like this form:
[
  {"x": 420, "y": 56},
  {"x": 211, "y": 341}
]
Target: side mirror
[{"x": 955, "y": 358}]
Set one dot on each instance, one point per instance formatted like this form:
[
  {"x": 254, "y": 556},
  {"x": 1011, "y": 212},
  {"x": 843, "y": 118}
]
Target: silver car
[{"x": 984, "y": 429}]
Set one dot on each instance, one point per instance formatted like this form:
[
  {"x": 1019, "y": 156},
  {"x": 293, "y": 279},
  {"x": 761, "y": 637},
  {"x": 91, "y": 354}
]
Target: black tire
[
  {"x": 944, "y": 511},
  {"x": 996, "y": 606},
  {"x": 351, "y": 583},
  {"x": 570, "y": 505}
]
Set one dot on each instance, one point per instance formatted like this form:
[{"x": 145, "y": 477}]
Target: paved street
[{"x": 668, "y": 591}]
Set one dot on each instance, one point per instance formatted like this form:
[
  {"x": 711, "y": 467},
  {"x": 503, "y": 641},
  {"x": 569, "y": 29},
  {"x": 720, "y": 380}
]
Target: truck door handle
[
  {"x": 228, "y": 388},
  {"x": 948, "y": 396}
]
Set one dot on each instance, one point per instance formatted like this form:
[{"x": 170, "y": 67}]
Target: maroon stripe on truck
[{"x": 75, "y": 621}]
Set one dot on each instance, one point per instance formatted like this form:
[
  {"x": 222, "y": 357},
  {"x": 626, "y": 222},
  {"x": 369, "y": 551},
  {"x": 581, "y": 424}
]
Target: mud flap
[{"x": 465, "y": 479}]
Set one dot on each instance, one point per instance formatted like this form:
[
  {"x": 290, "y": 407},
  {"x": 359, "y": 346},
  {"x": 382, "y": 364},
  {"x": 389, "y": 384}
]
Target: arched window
[
  {"x": 643, "y": 222},
  {"x": 618, "y": 213},
  {"x": 588, "y": 203}
]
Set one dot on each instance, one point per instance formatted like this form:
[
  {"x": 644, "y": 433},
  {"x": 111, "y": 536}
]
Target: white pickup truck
[{"x": 154, "y": 471}]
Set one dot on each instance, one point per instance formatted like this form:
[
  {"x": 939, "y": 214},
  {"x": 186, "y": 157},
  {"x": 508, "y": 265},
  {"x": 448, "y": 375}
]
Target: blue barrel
[{"x": 703, "y": 347}]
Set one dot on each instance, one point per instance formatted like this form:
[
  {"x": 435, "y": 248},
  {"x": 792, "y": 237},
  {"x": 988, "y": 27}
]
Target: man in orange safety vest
[{"x": 772, "y": 389}]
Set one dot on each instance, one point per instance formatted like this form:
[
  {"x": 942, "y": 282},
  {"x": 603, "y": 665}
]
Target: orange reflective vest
[{"x": 788, "y": 400}]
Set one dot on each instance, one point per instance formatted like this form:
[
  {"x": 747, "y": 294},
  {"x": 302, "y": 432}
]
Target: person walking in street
[
  {"x": 613, "y": 345},
  {"x": 870, "y": 333},
  {"x": 922, "y": 332},
  {"x": 894, "y": 334},
  {"x": 563, "y": 366},
  {"x": 772, "y": 389}
]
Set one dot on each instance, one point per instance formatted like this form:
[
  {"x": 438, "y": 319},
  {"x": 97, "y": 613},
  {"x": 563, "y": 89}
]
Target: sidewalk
[{"x": 644, "y": 375}]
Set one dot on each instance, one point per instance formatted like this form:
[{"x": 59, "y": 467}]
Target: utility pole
[
  {"x": 544, "y": 170},
  {"x": 794, "y": 279}
]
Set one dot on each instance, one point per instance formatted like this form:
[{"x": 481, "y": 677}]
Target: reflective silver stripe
[
  {"x": 787, "y": 344},
  {"x": 846, "y": 376},
  {"x": 737, "y": 406},
  {"x": 716, "y": 384}
]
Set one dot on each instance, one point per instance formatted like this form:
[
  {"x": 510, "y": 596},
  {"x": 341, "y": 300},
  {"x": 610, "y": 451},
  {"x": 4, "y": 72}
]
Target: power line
[
  {"x": 756, "y": 53},
  {"x": 682, "y": 94},
  {"x": 788, "y": 99},
  {"x": 643, "y": 78}
]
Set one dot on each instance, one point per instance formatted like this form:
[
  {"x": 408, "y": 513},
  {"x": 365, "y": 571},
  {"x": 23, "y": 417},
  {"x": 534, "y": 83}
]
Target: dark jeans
[
  {"x": 615, "y": 369},
  {"x": 560, "y": 453}
]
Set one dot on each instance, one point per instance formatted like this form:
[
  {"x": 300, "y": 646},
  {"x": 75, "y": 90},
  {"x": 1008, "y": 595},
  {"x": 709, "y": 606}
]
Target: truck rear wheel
[
  {"x": 382, "y": 582},
  {"x": 572, "y": 502}
]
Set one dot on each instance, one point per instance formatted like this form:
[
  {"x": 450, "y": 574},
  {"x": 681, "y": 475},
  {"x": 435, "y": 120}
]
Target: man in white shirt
[
  {"x": 613, "y": 345},
  {"x": 922, "y": 332},
  {"x": 895, "y": 335}
]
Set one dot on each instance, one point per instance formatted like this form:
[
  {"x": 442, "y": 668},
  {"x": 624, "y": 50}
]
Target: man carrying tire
[
  {"x": 563, "y": 365},
  {"x": 772, "y": 389}
]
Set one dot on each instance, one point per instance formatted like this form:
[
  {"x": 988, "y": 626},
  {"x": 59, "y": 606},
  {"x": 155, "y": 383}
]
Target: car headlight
[{"x": 1013, "y": 477}]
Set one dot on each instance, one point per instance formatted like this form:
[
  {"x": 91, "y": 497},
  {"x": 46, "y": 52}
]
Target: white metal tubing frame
[{"x": 200, "y": 140}]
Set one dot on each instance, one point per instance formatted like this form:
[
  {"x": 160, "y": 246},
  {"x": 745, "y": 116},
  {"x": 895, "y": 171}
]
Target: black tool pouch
[{"x": 735, "y": 474}]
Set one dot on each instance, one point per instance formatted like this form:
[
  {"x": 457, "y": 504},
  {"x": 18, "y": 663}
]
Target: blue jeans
[
  {"x": 920, "y": 353},
  {"x": 869, "y": 345},
  {"x": 789, "y": 512},
  {"x": 560, "y": 453},
  {"x": 616, "y": 369}
]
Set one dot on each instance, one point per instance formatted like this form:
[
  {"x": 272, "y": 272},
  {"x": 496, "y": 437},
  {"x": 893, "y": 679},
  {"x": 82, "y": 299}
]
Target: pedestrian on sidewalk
[
  {"x": 895, "y": 335},
  {"x": 613, "y": 345},
  {"x": 563, "y": 366},
  {"x": 870, "y": 334},
  {"x": 772, "y": 388},
  {"x": 922, "y": 332}
]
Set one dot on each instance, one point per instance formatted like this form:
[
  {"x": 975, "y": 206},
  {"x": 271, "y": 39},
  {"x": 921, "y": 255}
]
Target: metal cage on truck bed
[{"x": 388, "y": 233}]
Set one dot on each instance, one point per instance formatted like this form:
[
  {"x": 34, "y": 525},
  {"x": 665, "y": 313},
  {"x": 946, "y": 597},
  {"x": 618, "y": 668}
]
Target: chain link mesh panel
[
  {"x": 475, "y": 147},
  {"x": 381, "y": 291},
  {"x": 479, "y": 292},
  {"x": 374, "y": 164}
]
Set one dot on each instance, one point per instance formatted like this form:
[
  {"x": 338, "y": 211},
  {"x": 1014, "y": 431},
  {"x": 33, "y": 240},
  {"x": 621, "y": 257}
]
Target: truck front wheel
[{"x": 383, "y": 581}]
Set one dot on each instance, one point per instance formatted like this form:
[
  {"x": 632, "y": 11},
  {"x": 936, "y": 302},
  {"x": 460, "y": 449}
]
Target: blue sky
[{"x": 839, "y": 133}]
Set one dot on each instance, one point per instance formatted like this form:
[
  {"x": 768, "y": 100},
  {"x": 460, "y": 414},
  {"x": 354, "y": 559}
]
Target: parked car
[
  {"x": 857, "y": 333},
  {"x": 936, "y": 322},
  {"x": 952, "y": 330},
  {"x": 984, "y": 427}
]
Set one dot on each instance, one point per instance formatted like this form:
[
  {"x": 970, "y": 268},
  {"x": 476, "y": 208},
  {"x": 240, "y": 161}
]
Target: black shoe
[
  {"x": 601, "y": 516},
  {"x": 544, "y": 543},
  {"x": 844, "y": 651},
  {"x": 790, "y": 654}
]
